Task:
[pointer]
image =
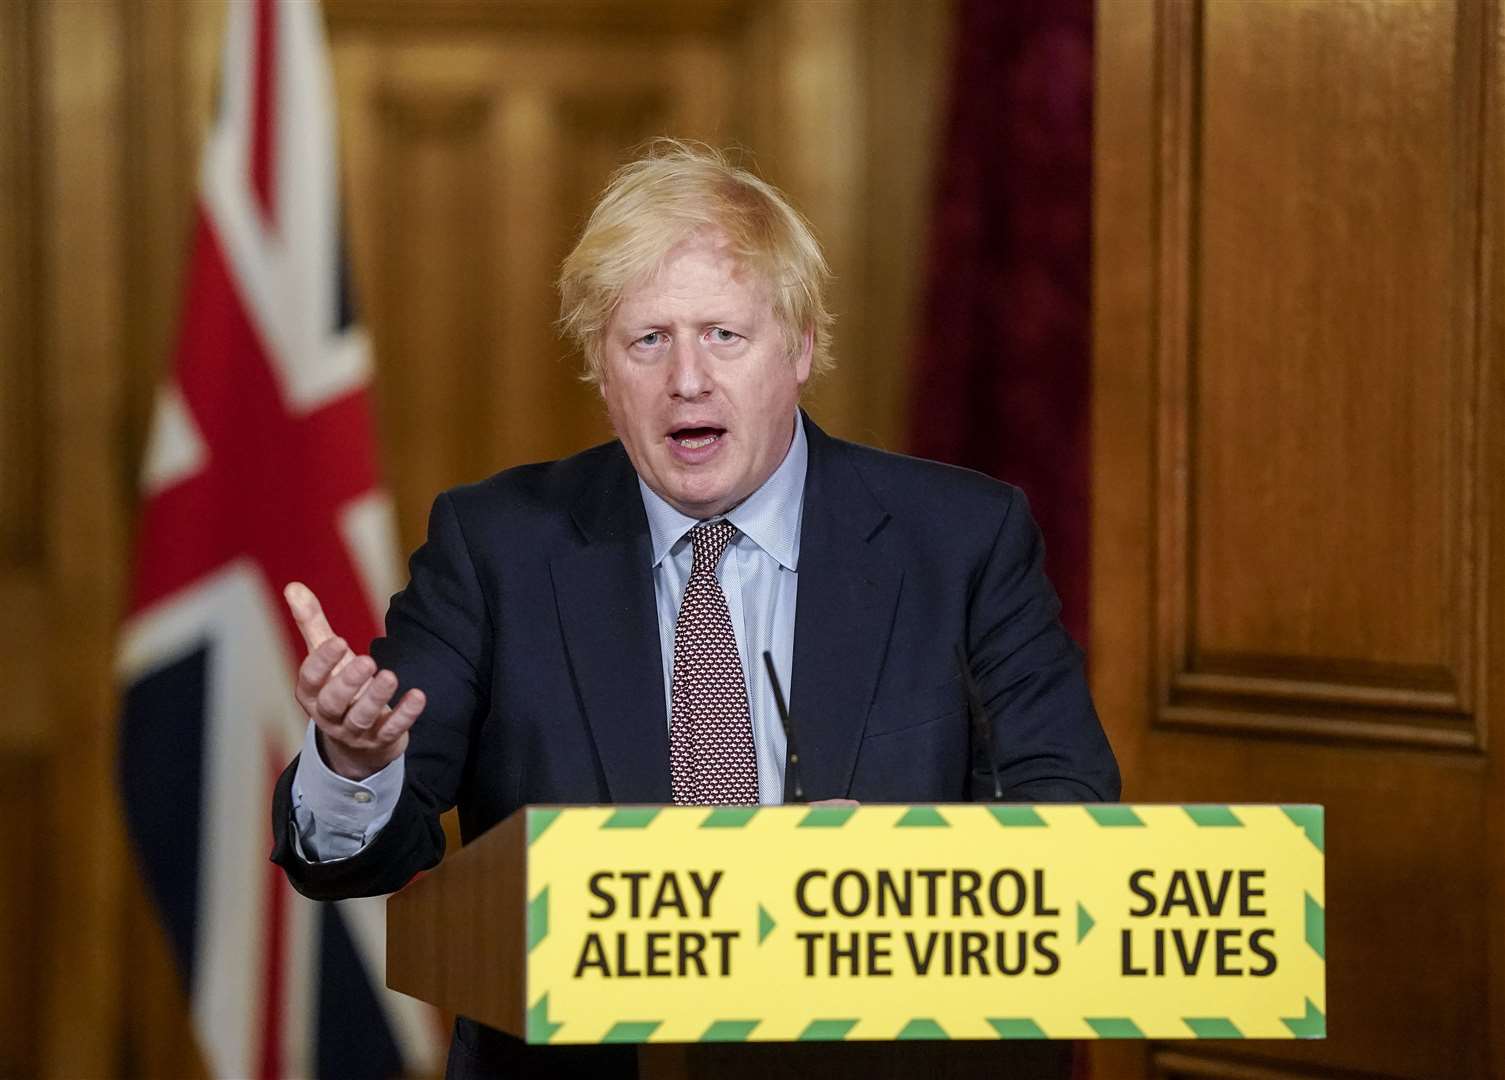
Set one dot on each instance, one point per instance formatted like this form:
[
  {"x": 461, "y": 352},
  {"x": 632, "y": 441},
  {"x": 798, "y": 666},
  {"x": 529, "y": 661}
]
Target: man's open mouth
[{"x": 696, "y": 438}]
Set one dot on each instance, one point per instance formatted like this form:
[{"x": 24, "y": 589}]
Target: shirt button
[{"x": 361, "y": 796}]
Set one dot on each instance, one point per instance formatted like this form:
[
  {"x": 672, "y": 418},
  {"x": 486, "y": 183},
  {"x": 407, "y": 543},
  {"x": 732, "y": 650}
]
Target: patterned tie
[{"x": 711, "y": 756}]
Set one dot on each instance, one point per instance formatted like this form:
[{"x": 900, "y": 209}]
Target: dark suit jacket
[{"x": 530, "y": 622}]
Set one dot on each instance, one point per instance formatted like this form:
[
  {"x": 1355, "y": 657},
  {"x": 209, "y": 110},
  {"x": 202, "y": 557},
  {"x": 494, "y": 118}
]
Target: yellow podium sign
[{"x": 680, "y": 924}]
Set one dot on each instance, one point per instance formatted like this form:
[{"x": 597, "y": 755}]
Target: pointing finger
[{"x": 308, "y": 614}]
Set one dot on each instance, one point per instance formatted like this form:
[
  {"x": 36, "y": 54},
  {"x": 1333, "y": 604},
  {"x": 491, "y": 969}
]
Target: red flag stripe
[
  {"x": 264, "y": 109},
  {"x": 273, "y": 482}
]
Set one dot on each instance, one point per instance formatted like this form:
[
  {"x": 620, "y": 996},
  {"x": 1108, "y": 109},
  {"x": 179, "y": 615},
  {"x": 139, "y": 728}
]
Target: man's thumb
[{"x": 308, "y": 614}]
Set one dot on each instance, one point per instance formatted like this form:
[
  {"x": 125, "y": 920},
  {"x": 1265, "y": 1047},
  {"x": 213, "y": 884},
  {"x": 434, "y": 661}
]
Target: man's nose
[{"x": 689, "y": 376}]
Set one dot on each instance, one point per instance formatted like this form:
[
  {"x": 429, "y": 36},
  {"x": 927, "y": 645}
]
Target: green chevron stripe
[
  {"x": 765, "y": 924},
  {"x": 729, "y": 1031},
  {"x": 922, "y": 817},
  {"x": 631, "y": 817},
  {"x": 631, "y": 1031},
  {"x": 539, "y": 821},
  {"x": 1212, "y": 1027},
  {"x": 538, "y": 918},
  {"x": 1213, "y": 817},
  {"x": 1115, "y": 816},
  {"x": 1310, "y": 820},
  {"x": 1316, "y": 927},
  {"x": 1017, "y": 1028},
  {"x": 921, "y": 1028},
  {"x": 1311, "y": 1026},
  {"x": 826, "y": 817},
  {"x": 1084, "y": 923},
  {"x": 1114, "y": 1027},
  {"x": 827, "y": 1030},
  {"x": 1018, "y": 817},
  {"x": 540, "y": 1028},
  {"x": 729, "y": 817}
]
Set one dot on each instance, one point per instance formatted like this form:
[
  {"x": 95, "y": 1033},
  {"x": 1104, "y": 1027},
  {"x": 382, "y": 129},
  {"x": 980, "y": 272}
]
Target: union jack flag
[{"x": 261, "y": 468}]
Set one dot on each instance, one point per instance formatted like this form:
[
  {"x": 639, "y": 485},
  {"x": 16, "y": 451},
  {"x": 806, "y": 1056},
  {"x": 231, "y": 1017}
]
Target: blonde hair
[{"x": 672, "y": 191}]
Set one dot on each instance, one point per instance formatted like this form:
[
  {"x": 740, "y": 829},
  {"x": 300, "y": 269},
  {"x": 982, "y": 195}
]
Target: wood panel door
[{"x": 1298, "y": 484}]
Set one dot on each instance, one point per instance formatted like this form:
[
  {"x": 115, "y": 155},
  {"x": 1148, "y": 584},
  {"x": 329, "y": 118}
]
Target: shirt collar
[{"x": 769, "y": 517}]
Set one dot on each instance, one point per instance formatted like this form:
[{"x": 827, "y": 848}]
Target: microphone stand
[
  {"x": 982, "y": 723},
  {"x": 791, "y": 747}
]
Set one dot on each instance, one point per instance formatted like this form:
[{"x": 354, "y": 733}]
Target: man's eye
[
  {"x": 723, "y": 335},
  {"x": 651, "y": 339}
]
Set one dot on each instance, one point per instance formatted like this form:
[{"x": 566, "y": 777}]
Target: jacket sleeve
[
  {"x": 1046, "y": 738},
  {"x": 438, "y": 638}
]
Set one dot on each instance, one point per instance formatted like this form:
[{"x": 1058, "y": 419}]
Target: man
[{"x": 591, "y": 630}]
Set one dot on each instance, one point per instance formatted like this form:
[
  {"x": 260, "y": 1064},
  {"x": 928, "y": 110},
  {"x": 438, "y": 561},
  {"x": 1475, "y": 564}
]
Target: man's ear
[
  {"x": 598, "y": 375},
  {"x": 806, "y": 354}
]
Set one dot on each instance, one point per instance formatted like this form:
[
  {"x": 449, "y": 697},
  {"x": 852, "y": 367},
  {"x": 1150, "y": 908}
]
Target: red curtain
[{"x": 1001, "y": 381}]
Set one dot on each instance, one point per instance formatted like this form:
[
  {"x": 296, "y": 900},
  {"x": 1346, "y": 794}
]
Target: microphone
[
  {"x": 791, "y": 749},
  {"x": 982, "y": 723}
]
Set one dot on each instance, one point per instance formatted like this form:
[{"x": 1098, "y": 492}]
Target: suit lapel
[
  {"x": 848, "y": 592},
  {"x": 607, "y": 611}
]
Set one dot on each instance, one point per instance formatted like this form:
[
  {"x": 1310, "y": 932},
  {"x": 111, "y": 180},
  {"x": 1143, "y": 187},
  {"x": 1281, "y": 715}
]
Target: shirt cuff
[{"x": 335, "y": 817}]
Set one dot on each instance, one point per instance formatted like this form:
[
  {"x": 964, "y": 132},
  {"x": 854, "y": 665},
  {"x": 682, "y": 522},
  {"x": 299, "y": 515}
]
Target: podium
[{"x": 613, "y": 924}]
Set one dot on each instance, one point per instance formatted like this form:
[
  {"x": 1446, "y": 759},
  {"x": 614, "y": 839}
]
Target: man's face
[{"x": 698, "y": 379}]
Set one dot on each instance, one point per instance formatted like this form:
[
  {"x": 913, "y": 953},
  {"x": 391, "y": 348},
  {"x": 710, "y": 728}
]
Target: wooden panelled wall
[
  {"x": 475, "y": 133},
  {"x": 1299, "y": 498}
]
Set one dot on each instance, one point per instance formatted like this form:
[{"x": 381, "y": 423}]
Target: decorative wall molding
[
  {"x": 21, "y": 428},
  {"x": 592, "y": 17}
]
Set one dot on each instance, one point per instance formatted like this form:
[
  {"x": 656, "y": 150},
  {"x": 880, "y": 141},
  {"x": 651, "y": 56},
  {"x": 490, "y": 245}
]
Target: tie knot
[{"x": 707, "y": 542}]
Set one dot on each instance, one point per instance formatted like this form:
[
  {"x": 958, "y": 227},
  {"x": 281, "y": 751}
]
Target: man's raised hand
[{"x": 346, "y": 696}]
